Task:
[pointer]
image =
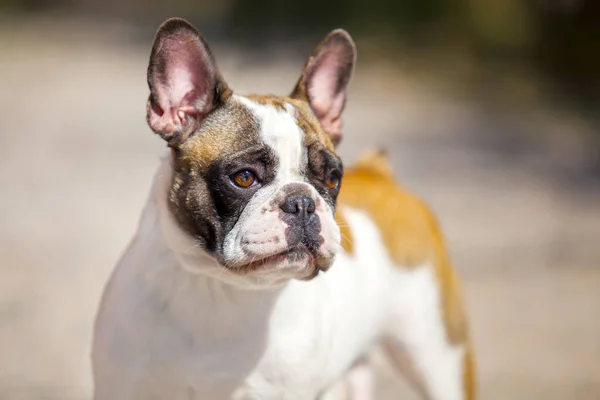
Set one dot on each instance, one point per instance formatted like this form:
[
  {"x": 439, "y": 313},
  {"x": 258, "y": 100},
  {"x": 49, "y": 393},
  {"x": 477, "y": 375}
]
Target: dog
[{"x": 260, "y": 268}]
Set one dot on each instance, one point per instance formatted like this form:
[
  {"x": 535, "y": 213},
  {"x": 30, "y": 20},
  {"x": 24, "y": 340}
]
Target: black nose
[{"x": 299, "y": 204}]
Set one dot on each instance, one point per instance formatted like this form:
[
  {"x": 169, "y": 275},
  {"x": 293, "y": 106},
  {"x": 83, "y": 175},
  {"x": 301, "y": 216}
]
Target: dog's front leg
[{"x": 357, "y": 384}]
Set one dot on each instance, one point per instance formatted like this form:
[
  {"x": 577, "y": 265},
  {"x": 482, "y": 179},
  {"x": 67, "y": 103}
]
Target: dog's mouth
[{"x": 291, "y": 257}]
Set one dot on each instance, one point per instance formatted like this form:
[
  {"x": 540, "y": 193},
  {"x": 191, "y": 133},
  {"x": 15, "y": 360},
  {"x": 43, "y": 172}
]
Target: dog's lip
[{"x": 277, "y": 257}]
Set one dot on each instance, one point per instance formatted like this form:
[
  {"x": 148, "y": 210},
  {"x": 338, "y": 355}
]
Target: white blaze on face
[{"x": 280, "y": 131}]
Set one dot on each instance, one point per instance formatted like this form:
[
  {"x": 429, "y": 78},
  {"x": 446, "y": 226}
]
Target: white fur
[
  {"x": 421, "y": 335},
  {"x": 174, "y": 324},
  {"x": 280, "y": 131}
]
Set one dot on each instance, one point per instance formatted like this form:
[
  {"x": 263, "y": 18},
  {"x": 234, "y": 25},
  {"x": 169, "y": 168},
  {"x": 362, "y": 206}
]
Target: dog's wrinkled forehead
[{"x": 284, "y": 125}]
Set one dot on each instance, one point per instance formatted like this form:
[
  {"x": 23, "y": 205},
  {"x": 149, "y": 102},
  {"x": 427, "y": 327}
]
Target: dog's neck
[{"x": 186, "y": 282}]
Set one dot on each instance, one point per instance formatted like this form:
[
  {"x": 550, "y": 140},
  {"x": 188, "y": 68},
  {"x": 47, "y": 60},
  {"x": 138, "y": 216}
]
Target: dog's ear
[
  {"x": 325, "y": 79},
  {"x": 185, "y": 84}
]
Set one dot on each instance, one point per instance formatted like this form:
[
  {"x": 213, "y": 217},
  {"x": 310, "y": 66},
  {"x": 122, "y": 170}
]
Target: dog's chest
[
  {"x": 307, "y": 343},
  {"x": 247, "y": 348},
  {"x": 312, "y": 341}
]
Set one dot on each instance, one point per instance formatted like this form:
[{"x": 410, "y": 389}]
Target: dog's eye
[
  {"x": 333, "y": 180},
  {"x": 243, "y": 179}
]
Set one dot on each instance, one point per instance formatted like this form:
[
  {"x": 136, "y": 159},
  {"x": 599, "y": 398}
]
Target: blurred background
[{"x": 488, "y": 109}]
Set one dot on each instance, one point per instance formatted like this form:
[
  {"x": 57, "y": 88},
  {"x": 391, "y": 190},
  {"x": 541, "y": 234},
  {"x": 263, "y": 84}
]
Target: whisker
[{"x": 347, "y": 239}]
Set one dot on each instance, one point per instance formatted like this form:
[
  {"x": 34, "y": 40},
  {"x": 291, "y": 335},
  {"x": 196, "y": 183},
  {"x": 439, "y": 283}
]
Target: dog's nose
[{"x": 299, "y": 204}]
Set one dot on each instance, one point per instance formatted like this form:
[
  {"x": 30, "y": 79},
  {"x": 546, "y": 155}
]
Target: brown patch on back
[{"x": 409, "y": 230}]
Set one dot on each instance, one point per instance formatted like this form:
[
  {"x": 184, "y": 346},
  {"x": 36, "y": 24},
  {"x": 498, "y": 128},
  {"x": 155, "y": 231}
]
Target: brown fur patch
[
  {"x": 409, "y": 229},
  {"x": 227, "y": 130},
  {"x": 469, "y": 376},
  {"x": 310, "y": 125},
  {"x": 277, "y": 102}
]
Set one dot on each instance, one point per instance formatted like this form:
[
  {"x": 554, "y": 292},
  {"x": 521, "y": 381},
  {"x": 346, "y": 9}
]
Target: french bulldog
[{"x": 261, "y": 269}]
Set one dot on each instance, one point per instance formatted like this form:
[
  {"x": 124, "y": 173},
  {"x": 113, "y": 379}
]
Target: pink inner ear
[
  {"x": 183, "y": 81},
  {"x": 329, "y": 111},
  {"x": 184, "y": 87},
  {"x": 326, "y": 96}
]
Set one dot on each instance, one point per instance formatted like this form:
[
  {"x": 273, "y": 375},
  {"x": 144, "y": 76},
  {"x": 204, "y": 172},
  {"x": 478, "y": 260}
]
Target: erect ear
[
  {"x": 185, "y": 84},
  {"x": 325, "y": 79}
]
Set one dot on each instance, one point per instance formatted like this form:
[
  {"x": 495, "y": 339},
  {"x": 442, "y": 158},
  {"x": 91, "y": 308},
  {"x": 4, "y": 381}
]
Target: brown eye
[
  {"x": 333, "y": 180},
  {"x": 243, "y": 179}
]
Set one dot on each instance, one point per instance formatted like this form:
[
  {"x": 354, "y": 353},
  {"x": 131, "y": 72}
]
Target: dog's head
[{"x": 255, "y": 178}]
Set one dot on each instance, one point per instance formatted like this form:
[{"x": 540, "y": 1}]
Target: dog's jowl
[{"x": 261, "y": 269}]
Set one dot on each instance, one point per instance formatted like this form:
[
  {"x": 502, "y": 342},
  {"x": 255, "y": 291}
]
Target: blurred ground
[{"x": 76, "y": 159}]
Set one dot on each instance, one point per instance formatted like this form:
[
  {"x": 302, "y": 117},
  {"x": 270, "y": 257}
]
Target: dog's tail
[{"x": 375, "y": 161}]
